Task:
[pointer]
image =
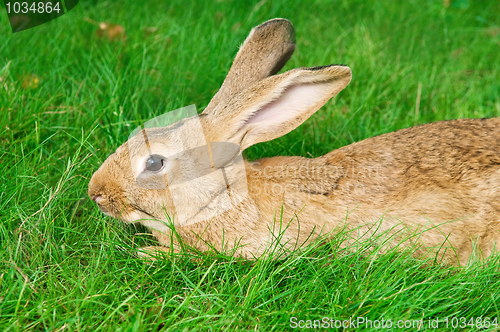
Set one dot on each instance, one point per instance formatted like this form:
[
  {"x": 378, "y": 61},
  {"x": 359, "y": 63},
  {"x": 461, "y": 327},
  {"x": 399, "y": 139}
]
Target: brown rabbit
[{"x": 440, "y": 180}]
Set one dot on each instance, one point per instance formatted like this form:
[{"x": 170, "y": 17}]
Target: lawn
[{"x": 69, "y": 96}]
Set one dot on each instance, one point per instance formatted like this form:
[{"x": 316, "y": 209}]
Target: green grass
[{"x": 65, "y": 266}]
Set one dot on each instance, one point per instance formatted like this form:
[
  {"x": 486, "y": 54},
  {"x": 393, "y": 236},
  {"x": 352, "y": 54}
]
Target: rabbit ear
[
  {"x": 265, "y": 51},
  {"x": 275, "y": 106}
]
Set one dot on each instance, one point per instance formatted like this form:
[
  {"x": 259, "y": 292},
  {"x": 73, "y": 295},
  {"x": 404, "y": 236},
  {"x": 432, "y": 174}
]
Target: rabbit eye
[{"x": 155, "y": 163}]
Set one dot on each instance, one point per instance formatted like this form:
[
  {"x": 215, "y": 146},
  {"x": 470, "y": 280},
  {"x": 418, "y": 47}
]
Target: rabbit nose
[{"x": 96, "y": 198}]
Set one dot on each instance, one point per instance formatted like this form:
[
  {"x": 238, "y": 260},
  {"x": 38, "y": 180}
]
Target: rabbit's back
[
  {"x": 444, "y": 173},
  {"x": 459, "y": 156},
  {"x": 442, "y": 177}
]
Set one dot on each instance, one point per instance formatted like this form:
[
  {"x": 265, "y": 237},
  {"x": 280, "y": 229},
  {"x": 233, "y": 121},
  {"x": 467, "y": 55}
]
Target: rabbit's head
[{"x": 194, "y": 164}]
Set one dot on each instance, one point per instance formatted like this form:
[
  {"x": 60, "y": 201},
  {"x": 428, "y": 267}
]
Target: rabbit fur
[{"x": 440, "y": 179}]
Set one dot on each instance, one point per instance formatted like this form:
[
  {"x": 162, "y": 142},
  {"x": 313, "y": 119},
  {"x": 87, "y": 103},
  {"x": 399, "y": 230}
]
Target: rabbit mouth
[
  {"x": 104, "y": 210},
  {"x": 99, "y": 200},
  {"x": 131, "y": 213}
]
